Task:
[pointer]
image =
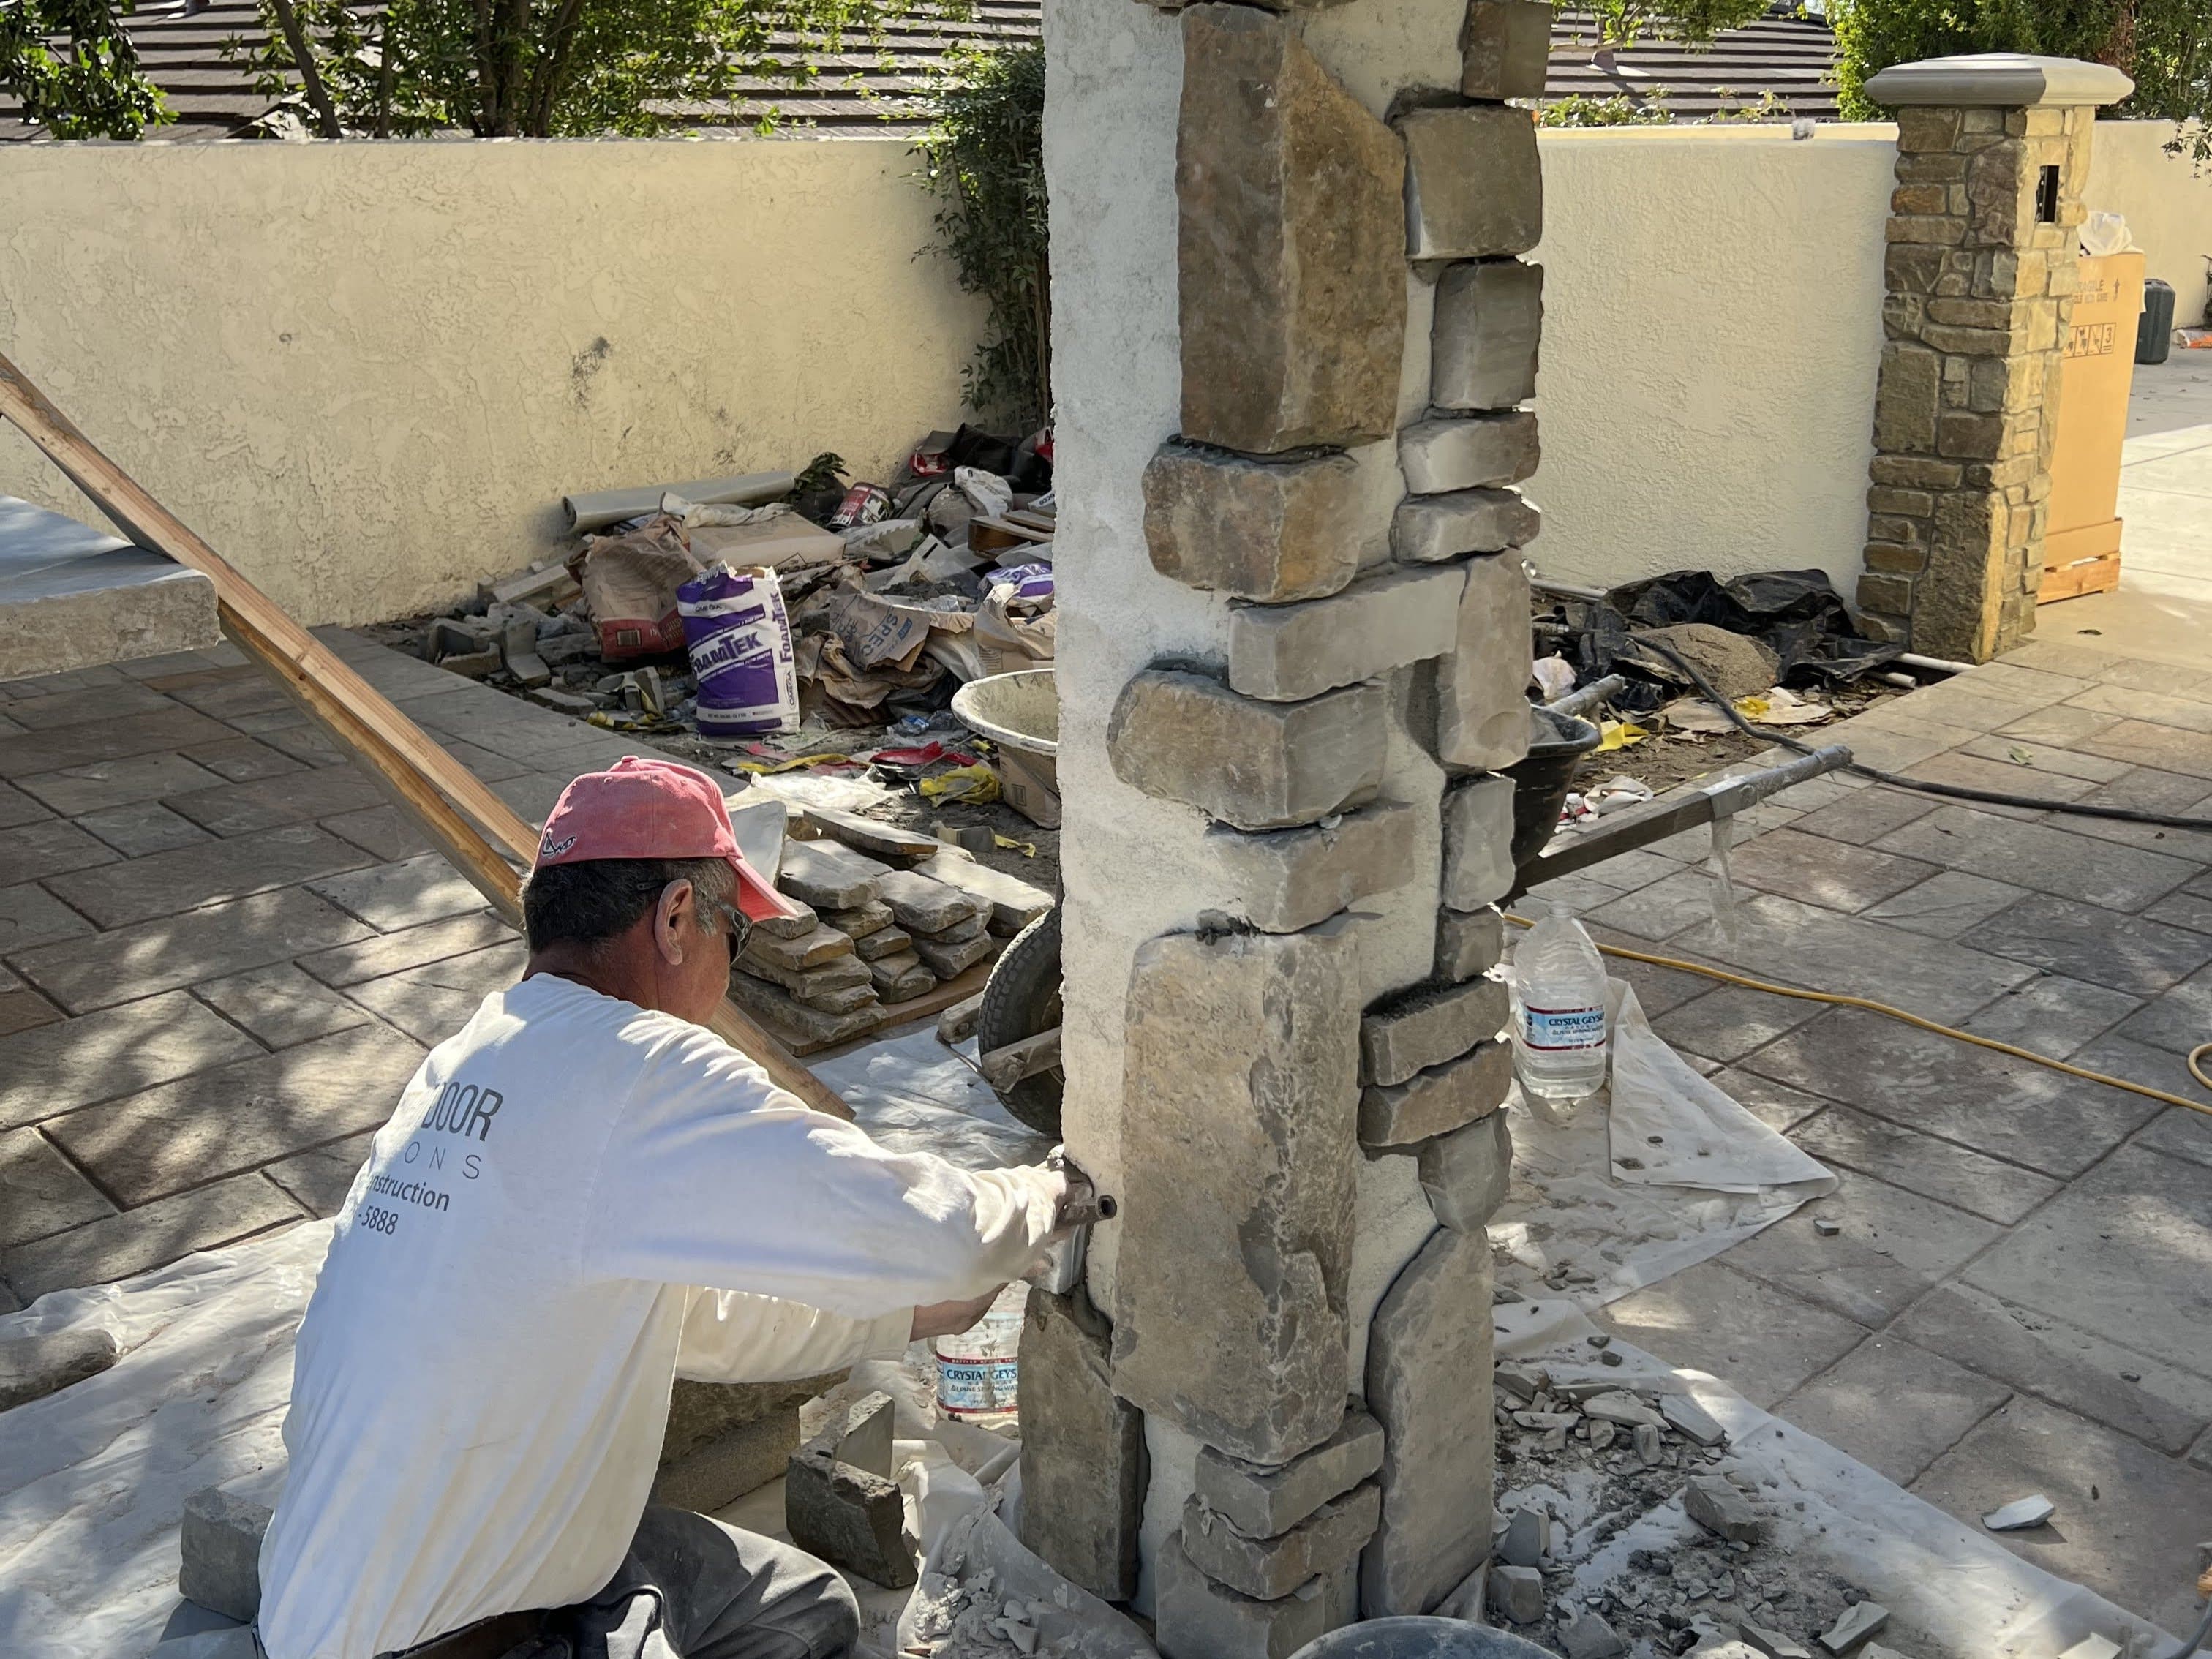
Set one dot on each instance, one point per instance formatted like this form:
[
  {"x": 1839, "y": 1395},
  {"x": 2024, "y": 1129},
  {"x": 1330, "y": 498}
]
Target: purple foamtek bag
[{"x": 739, "y": 635}]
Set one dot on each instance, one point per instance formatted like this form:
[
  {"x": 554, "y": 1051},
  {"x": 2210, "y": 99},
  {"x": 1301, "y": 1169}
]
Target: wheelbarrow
[{"x": 1019, "y": 1015}]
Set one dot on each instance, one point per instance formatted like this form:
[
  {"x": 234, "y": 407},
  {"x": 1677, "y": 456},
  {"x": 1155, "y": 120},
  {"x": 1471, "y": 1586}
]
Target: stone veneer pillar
[
  {"x": 1992, "y": 151},
  {"x": 1293, "y": 341}
]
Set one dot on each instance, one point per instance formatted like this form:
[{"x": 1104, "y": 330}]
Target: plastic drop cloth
[
  {"x": 1653, "y": 1174},
  {"x": 1953, "y": 1592}
]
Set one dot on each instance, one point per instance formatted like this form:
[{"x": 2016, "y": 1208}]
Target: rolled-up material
[{"x": 604, "y": 507}]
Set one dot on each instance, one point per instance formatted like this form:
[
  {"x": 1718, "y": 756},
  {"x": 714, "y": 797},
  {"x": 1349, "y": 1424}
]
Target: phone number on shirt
[{"x": 379, "y": 1220}]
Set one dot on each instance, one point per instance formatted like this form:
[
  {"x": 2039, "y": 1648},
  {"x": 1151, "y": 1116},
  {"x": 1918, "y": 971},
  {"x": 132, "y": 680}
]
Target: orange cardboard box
[{"x": 2081, "y": 540}]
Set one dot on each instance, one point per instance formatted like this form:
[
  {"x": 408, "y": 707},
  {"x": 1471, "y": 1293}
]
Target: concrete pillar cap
[{"x": 2012, "y": 80}]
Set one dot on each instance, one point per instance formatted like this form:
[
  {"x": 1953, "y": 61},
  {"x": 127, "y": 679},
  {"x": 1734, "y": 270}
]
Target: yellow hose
[{"x": 1871, "y": 1006}]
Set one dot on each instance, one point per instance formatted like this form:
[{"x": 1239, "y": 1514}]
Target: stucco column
[
  {"x": 1294, "y": 343},
  {"x": 1992, "y": 151}
]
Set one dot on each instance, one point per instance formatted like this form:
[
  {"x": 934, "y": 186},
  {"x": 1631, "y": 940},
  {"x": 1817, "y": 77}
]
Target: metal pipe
[
  {"x": 602, "y": 508},
  {"x": 1564, "y": 590},
  {"x": 1934, "y": 665},
  {"x": 1583, "y": 696}
]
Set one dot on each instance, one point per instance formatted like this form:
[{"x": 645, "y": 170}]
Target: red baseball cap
[{"x": 654, "y": 809}]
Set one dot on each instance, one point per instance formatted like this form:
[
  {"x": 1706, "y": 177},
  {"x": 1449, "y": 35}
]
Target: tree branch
[{"x": 311, "y": 78}]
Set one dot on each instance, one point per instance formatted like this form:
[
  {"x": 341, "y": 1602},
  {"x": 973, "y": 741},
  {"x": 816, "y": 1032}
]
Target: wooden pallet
[
  {"x": 2083, "y": 560},
  {"x": 479, "y": 833}
]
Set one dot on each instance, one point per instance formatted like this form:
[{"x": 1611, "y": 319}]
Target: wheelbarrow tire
[{"x": 1020, "y": 1000}]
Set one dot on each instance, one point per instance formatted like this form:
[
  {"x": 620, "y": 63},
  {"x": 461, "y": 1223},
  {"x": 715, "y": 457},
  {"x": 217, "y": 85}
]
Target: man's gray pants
[{"x": 691, "y": 1588}]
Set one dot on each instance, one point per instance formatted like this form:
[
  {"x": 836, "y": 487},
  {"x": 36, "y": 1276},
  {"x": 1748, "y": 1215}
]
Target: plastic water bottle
[
  {"x": 1558, "y": 1010},
  {"x": 979, "y": 1371}
]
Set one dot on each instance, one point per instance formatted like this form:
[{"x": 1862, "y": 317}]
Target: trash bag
[{"x": 1797, "y": 613}]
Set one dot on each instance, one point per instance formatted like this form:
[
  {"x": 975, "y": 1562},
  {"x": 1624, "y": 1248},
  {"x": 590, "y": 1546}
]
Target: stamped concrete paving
[
  {"x": 221, "y": 951},
  {"x": 2019, "y": 1298}
]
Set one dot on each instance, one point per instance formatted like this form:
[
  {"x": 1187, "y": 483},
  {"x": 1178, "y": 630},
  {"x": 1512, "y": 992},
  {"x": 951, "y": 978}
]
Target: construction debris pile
[{"x": 1618, "y": 1474}]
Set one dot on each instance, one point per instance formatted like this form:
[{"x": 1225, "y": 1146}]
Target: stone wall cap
[{"x": 2012, "y": 80}]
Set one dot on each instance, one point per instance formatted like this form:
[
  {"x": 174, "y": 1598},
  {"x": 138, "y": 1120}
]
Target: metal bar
[{"x": 1583, "y": 696}]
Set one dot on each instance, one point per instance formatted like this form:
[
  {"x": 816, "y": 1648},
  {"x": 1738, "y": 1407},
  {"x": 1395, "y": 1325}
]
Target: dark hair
[{"x": 590, "y": 902}]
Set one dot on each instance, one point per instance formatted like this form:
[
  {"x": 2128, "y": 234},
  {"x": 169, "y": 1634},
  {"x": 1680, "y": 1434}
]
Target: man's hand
[{"x": 951, "y": 1318}]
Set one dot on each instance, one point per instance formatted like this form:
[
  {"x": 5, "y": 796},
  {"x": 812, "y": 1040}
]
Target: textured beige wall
[
  {"x": 1713, "y": 330},
  {"x": 366, "y": 372},
  {"x": 2166, "y": 199}
]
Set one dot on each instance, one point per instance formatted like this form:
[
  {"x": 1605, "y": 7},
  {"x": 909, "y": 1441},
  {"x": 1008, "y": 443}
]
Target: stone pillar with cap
[{"x": 1992, "y": 151}]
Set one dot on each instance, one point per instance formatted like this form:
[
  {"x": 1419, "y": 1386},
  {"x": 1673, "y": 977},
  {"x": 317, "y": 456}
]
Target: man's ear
[{"x": 674, "y": 918}]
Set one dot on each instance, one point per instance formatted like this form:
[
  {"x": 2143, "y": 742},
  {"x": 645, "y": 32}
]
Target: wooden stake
[{"x": 483, "y": 837}]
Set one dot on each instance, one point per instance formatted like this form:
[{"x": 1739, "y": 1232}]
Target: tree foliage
[
  {"x": 1624, "y": 22},
  {"x": 2165, "y": 45},
  {"x": 74, "y": 70},
  {"x": 984, "y": 161},
  {"x": 541, "y": 69}
]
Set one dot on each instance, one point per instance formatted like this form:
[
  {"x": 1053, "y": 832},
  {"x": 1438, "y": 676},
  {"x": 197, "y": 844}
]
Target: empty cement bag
[{"x": 739, "y": 635}]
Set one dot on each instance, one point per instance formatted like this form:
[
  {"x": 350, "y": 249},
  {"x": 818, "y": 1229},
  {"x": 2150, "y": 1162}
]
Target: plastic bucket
[
  {"x": 1419, "y": 1639},
  {"x": 1556, "y": 747},
  {"x": 1020, "y": 710}
]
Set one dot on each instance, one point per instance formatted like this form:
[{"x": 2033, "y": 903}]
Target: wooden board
[
  {"x": 483, "y": 837},
  {"x": 2084, "y": 560}
]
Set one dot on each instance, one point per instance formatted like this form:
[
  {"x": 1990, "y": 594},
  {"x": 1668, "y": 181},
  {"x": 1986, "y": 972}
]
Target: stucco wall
[
  {"x": 2166, "y": 199},
  {"x": 366, "y": 372},
  {"x": 1712, "y": 329}
]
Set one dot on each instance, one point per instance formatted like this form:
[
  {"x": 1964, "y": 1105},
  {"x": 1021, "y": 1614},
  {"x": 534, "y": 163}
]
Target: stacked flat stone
[
  {"x": 1981, "y": 278},
  {"x": 1257, "y": 1077}
]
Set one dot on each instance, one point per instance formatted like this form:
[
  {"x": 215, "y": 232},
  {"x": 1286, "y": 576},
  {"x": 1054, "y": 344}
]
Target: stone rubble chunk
[
  {"x": 1517, "y": 1593},
  {"x": 901, "y": 977},
  {"x": 1287, "y": 880},
  {"x": 829, "y": 876},
  {"x": 1012, "y": 903},
  {"x": 1239, "y": 1082},
  {"x": 850, "y": 1516},
  {"x": 958, "y": 933},
  {"x": 1719, "y": 1508},
  {"x": 1482, "y": 719},
  {"x": 1266, "y": 1502},
  {"x": 1772, "y": 1644},
  {"x": 1650, "y": 1447},
  {"x": 1688, "y": 1418},
  {"x": 1268, "y": 1568},
  {"x": 883, "y": 942},
  {"x": 1474, "y": 189},
  {"x": 1523, "y": 1383},
  {"x": 1465, "y": 1175},
  {"x": 1478, "y": 868},
  {"x": 1466, "y": 452},
  {"x": 793, "y": 927},
  {"x": 1489, "y": 319},
  {"x": 723, "y": 1440},
  {"x": 1853, "y": 1625},
  {"x": 1198, "y": 1618},
  {"x": 1469, "y": 942},
  {"x": 32, "y": 1367},
  {"x": 1504, "y": 49},
  {"x": 818, "y": 987},
  {"x": 1587, "y": 1636},
  {"x": 1411, "y": 1031},
  {"x": 950, "y": 961},
  {"x": 219, "y": 1544},
  {"x": 1255, "y": 765},
  {"x": 1286, "y": 653},
  {"x": 1613, "y": 1407},
  {"x": 1467, "y": 1599},
  {"x": 1083, "y": 1468},
  {"x": 922, "y": 906},
  {"x": 1428, "y": 529},
  {"x": 2021, "y": 1514},
  {"x": 1445, "y": 1097},
  {"x": 795, "y": 956},
  {"x": 1271, "y": 530},
  {"x": 1289, "y": 249},
  {"x": 1423, "y": 1348},
  {"x": 1527, "y": 1538},
  {"x": 857, "y": 924}
]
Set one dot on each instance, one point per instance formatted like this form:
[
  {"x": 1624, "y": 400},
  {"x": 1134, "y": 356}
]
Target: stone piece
[
  {"x": 1473, "y": 187},
  {"x": 1478, "y": 843},
  {"x": 1527, "y": 1538},
  {"x": 1482, "y": 721},
  {"x": 1737, "y": 666},
  {"x": 795, "y": 927},
  {"x": 1428, "y": 1352},
  {"x": 883, "y": 942},
  {"x": 950, "y": 961},
  {"x": 829, "y": 876},
  {"x": 1489, "y": 318},
  {"x": 857, "y": 924},
  {"x": 901, "y": 977},
  {"x": 851, "y": 1517},
  {"x": 1504, "y": 49},
  {"x": 73, "y": 598},
  {"x": 1271, "y": 530},
  {"x": 1240, "y": 1075},
  {"x": 1256, "y": 765},
  {"x": 1427, "y": 529},
  {"x": 1693, "y": 1421},
  {"x": 1586, "y": 1636},
  {"x": 1292, "y": 878},
  {"x": 1718, "y": 1507},
  {"x": 1266, "y": 1502},
  {"x": 1198, "y": 1618},
  {"x": 791, "y": 1020},
  {"x": 1650, "y": 1445},
  {"x": 1293, "y": 291},
  {"x": 32, "y": 1367},
  {"x": 1011, "y": 902},
  {"x": 923, "y": 906},
  {"x": 1269, "y": 1568},
  {"x": 1466, "y": 452},
  {"x": 219, "y": 1544},
  {"x": 1286, "y": 653},
  {"x": 724, "y": 1440},
  {"x": 1413, "y": 1030},
  {"x": 838, "y": 973},
  {"x": 1854, "y": 1625},
  {"x": 1436, "y": 1102},
  {"x": 960, "y": 932},
  {"x": 1083, "y": 1468},
  {"x": 1469, "y": 942},
  {"x": 1771, "y": 1643},
  {"x": 1517, "y": 1593},
  {"x": 2021, "y": 1514},
  {"x": 884, "y": 841},
  {"x": 1465, "y": 1174}
]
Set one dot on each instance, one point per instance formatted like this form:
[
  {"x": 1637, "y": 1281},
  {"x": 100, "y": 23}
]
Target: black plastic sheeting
[{"x": 1798, "y": 614}]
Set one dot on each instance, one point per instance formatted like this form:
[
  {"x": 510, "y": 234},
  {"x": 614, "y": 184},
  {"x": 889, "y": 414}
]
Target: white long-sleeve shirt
[{"x": 481, "y": 1381}]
